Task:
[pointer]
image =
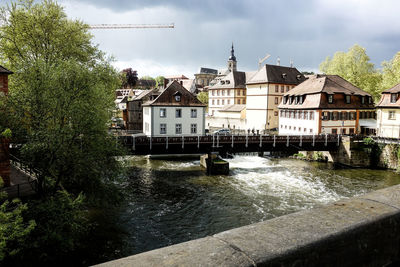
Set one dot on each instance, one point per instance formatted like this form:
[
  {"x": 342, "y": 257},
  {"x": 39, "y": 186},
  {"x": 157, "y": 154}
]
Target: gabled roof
[
  {"x": 146, "y": 93},
  {"x": 277, "y": 74},
  {"x": 395, "y": 89},
  {"x": 4, "y": 70},
  {"x": 166, "y": 97},
  {"x": 208, "y": 71},
  {"x": 329, "y": 84},
  {"x": 235, "y": 79}
]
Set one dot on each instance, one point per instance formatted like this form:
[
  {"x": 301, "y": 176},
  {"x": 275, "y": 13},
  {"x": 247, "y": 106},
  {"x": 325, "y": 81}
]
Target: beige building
[
  {"x": 205, "y": 76},
  {"x": 230, "y": 116},
  {"x": 325, "y": 104},
  {"x": 388, "y": 113},
  {"x": 265, "y": 90}
]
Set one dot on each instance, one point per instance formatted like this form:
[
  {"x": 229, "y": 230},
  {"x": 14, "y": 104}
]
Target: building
[
  {"x": 205, "y": 76},
  {"x": 145, "y": 84},
  {"x": 388, "y": 113},
  {"x": 175, "y": 111},
  {"x": 135, "y": 110},
  {"x": 229, "y": 116},
  {"x": 325, "y": 104},
  {"x": 177, "y": 78},
  {"x": 265, "y": 90},
  {"x": 4, "y": 79}
]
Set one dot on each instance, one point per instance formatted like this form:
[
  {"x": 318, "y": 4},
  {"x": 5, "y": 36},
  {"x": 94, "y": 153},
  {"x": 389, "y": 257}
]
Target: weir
[{"x": 361, "y": 231}]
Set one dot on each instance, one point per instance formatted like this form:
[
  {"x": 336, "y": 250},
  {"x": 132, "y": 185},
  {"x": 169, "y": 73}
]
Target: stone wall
[{"x": 361, "y": 231}]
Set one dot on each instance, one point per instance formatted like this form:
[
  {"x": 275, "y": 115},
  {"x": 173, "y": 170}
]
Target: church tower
[{"x": 232, "y": 61}]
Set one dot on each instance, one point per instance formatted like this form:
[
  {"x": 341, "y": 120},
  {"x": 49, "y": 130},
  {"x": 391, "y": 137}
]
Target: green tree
[
  {"x": 391, "y": 72},
  {"x": 14, "y": 229},
  {"x": 60, "y": 98},
  {"x": 160, "y": 81},
  {"x": 354, "y": 66},
  {"x": 203, "y": 97},
  {"x": 147, "y": 77}
]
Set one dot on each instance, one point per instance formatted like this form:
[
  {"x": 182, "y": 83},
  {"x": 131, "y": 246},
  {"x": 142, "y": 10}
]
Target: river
[{"x": 172, "y": 201}]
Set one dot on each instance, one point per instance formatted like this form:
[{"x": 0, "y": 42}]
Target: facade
[
  {"x": 230, "y": 90},
  {"x": 4, "y": 79},
  {"x": 205, "y": 76},
  {"x": 135, "y": 109},
  {"x": 388, "y": 113},
  {"x": 264, "y": 93},
  {"x": 325, "y": 104},
  {"x": 175, "y": 111}
]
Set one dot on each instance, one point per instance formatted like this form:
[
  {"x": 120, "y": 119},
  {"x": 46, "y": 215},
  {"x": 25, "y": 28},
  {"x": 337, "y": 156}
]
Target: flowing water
[{"x": 172, "y": 201}]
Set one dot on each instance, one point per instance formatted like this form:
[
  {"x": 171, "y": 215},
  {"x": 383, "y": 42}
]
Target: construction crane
[
  {"x": 130, "y": 26},
  {"x": 261, "y": 60}
]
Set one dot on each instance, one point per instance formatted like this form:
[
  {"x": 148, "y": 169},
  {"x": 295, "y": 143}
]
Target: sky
[{"x": 303, "y": 31}]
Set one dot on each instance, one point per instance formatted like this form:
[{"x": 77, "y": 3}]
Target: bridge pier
[{"x": 214, "y": 164}]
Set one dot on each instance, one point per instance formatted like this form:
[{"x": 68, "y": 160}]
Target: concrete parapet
[{"x": 361, "y": 231}]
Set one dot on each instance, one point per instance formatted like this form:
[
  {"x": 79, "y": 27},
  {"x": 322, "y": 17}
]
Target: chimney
[
  {"x": 181, "y": 82},
  {"x": 291, "y": 63},
  {"x": 278, "y": 61},
  {"x": 165, "y": 83}
]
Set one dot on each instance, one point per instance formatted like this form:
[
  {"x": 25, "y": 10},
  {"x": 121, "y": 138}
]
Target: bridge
[{"x": 145, "y": 145}]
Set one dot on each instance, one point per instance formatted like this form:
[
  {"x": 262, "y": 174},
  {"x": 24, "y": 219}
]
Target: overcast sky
[{"x": 304, "y": 31}]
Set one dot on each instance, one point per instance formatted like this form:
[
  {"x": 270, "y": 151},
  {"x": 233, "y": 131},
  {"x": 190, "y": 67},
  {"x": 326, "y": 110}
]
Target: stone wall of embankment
[{"x": 361, "y": 231}]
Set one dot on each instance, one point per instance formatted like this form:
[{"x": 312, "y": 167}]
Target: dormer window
[
  {"x": 330, "y": 99},
  {"x": 296, "y": 101},
  {"x": 348, "y": 99},
  {"x": 370, "y": 100},
  {"x": 177, "y": 96},
  {"x": 363, "y": 100},
  {"x": 222, "y": 82},
  {"x": 227, "y": 82},
  {"x": 290, "y": 100},
  {"x": 301, "y": 99},
  {"x": 393, "y": 98},
  {"x": 284, "y": 75},
  {"x": 285, "y": 98}
]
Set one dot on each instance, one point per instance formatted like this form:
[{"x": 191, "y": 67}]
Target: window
[
  {"x": 244, "y": 101},
  {"x": 178, "y": 128},
  {"x": 178, "y": 98},
  {"x": 193, "y": 113},
  {"x": 351, "y": 131},
  {"x": 299, "y": 129},
  {"x": 228, "y": 101},
  {"x": 330, "y": 99},
  {"x": 275, "y": 113},
  {"x": 311, "y": 130},
  {"x": 223, "y": 92},
  {"x": 193, "y": 128},
  {"x": 282, "y": 89},
  {"x": 285, "y": 98},
  {"x": 276, "y": 88},
  {"x": 243, "y": 93},
  {"x": 370, "y": 100},
  {"x": 213, "y": 102},
  {"x": 238, "y": 101},
  {"x": 392, "y": 115},
  {"x": 290, "y": 100},
  {"x": 213, "y": 92},
  {"x": 282, "y": 114},
  {"x": 222, "y": 102},
  {"x": 276, "y": 100},
  {"x": 218, "y": 102},
  {"x": 344, "y": 116},
  {"x": 163, "y": 128},
  {"x": 229, "y": 92},
  {"x": 296, "y": 100},
  {"x": 305, "y": 130},
  {"x": 294, "y": 128},
  {"x": 301, "y": 115},
  {"x": 311, "y": 115},
  {"x": 343, "y": 130},
  {"x": 287, "y": 88},
  {"x": 238, "y": 92},
  {"x": 306, "y": 115},
  {"x": 352, "y": 116},
  {"x": 295, "y": 114},
  {"x": 163, "y": 113},
  {"x": 348, "y": 99},
  {"x": 301, "y": 100},
  {"x": 393, "y": 98},
  {"x": 217, "y": 92},
  {"x": 334, "y": 131},
  {"x": 178, "y": 113},
  {"x": 363, "y": 100}
]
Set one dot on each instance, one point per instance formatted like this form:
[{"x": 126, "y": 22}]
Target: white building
[
  {"x": 325, "y": 104},
  {"x": 175, "y": 111},
  {"x": 388, "y": 109},
  {"x": 265, "y": 90}
]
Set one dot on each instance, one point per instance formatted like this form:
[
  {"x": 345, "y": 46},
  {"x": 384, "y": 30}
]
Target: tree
[
  {"x": 160, "y": 81},
  {"x": 147, "y": 77},
  {"x": 129, "y": 78},
  {"x": 354, "y": 66},
  {"x": 60, "y": 98},
  {"x": 203, "y": 97},
  {"x": 391, "y": 72}
]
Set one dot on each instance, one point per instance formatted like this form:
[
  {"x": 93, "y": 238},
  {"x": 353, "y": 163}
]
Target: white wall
[
  {"x": 147, "y": 120},
  {"x": 170, "y": 120},
  {"x": 256, "y": 106},
  {"x": 388, "y": 127},
  {"x": 287, "y": 125}
]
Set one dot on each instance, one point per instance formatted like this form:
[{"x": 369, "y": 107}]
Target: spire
[{"x": 232, "y": 57}]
